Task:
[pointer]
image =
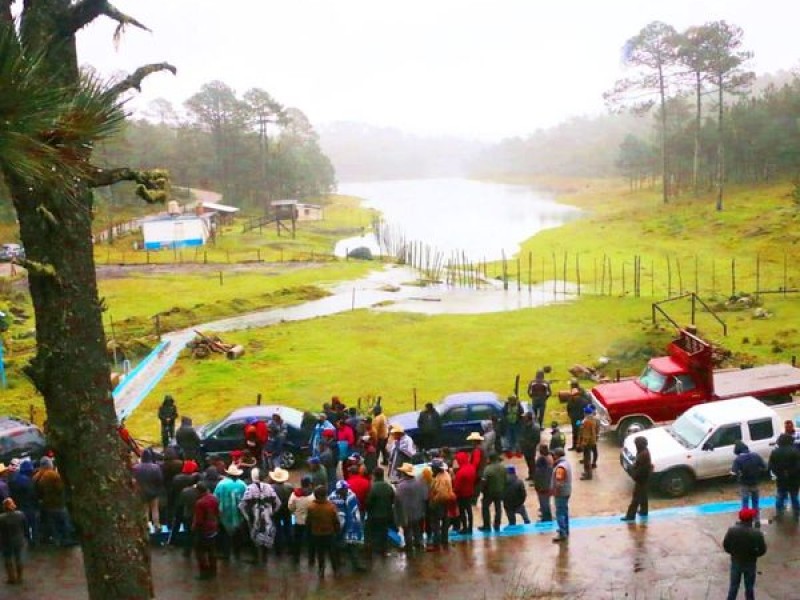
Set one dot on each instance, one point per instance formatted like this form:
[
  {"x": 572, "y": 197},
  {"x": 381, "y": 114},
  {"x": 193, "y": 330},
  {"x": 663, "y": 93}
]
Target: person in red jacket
[
  {"x": 464, "y": 489},
  {"x": 360, "y": 485},
  {"x": 205, "y": 526}
]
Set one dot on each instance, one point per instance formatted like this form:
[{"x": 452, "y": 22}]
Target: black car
[
  {"x": 226, "y": 435},
  {"x": 20, "y": 439},
  {"x": 461, "y": 414}
]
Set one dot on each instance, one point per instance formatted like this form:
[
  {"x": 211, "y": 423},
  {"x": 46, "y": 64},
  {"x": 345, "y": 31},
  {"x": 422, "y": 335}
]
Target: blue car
[
  {"x": 461, "y": 414},
  {"x": 227, "y": 434}
]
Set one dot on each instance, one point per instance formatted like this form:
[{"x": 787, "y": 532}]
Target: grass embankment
[
  {"x": 364, "y": 354},
  {"x": 683, "y": 246},
  {"x": 196, "y": 296}
]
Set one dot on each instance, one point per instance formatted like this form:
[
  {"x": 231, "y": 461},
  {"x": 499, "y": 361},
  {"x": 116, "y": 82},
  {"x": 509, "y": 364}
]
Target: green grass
[
  {"x": 365, "y": 354},
  {"x": 195, "y": 297},
  {"x": 685, "y": 245}
]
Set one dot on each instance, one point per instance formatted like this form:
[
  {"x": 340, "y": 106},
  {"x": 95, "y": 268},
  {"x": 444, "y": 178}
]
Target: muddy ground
[{"x": 675, "y": 555}]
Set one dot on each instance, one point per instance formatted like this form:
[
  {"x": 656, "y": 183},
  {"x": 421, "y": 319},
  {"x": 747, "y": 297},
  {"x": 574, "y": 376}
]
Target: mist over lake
[{"x": 478, "y": 218}]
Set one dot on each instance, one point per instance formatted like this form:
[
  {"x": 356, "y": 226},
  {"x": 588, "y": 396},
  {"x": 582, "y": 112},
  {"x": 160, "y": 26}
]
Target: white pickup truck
[{"x": 699, "y": 444}]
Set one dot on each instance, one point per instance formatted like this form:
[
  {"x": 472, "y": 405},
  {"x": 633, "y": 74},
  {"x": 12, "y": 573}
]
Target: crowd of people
[{"x": 365, "y": 479}]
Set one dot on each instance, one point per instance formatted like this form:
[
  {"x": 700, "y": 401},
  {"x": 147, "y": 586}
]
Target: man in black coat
[
  {"x": 784, "y": 464},
  {"x": 429, "y": 424},
  {"x": 640, "y": 472},
  {"x": 187, "y": 439},
  {"x": 745, "y": 544},
  {"x": 578, "y": 400}
]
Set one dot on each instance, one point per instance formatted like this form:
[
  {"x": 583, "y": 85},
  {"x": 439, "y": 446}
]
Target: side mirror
[{"x": 708, "y": 447}]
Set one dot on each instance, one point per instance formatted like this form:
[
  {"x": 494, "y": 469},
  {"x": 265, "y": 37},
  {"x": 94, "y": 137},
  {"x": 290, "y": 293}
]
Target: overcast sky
[{"x": 477, "y": 68}]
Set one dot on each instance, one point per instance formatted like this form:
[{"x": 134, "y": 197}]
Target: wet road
[
  {"x": 676, "y": 555},
  {"x": 672, "y": 559}
]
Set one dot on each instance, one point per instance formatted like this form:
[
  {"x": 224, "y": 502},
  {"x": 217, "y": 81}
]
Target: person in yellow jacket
[{"x": 587, "y": 441}]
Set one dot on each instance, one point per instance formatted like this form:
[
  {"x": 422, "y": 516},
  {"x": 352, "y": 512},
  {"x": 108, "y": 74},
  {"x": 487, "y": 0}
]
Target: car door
[
  {"x": 455, "y": 426},
  {"x": 228, "y": 437},
  {"x": 717, "y": 455},
  {"x": 478, "y": 413}
]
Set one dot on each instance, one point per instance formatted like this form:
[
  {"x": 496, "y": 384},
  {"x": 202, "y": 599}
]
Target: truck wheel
[
  {"x": 630, "y": 426},
  {"x": 676, "y": 483}
]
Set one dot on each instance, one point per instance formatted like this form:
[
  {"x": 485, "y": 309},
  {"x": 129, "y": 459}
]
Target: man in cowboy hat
[
  {"x": 403, "y": 449},
  {"x": 411, "y": 496},
  {"x": 282, "y": 518},
  {"x": 229, "y": 493}
]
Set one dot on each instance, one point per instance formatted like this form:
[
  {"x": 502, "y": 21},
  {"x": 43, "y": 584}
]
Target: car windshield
[
  {"x": 652, "y": 380},
  {"x": 687, "y": 431},
  {"x": 204, "y": 430}
]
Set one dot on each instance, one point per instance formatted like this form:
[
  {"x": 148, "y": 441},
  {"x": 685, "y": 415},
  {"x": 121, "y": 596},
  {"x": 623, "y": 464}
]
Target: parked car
[
  {"x": 461, "y": 414},
  {"x": 699, "y": 445},
  {"x": 227, "y": 434},
  {"x": 20, "y": 439},
  {"x": 9, "y": 252}
]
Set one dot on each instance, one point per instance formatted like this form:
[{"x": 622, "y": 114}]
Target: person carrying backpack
[{"x": 539, "y": 391}]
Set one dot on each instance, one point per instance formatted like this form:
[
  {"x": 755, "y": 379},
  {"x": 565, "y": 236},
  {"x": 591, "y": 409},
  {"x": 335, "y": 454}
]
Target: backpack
[{"x": 538, "y": 390}]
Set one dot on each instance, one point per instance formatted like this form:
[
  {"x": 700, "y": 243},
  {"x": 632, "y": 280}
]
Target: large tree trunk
[
  {"x": 71, "y": 371},
  {"x": 70, "y": 368}
]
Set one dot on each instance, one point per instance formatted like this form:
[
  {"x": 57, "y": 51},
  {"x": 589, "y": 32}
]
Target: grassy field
[
  {"x": 195, "y": 295},
  {"x": 364, "y": 354},
  {"x": 683, "y": 246}
]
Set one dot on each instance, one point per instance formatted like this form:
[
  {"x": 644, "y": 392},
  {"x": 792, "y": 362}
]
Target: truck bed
[{"x": 730, "y": 384}]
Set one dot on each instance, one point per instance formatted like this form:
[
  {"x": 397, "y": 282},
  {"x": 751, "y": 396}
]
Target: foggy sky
[{"x": 475, "y": 68}]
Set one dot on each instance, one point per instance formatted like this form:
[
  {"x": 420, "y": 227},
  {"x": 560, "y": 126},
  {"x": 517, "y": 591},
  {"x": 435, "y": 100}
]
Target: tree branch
[
  {"x": 86, "y": 11},
  {"x": 153, "y": 184},
  {"x": 134, "y": 81}
]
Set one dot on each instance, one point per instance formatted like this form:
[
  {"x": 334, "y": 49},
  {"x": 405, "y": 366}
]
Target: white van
[{"x": 699, "y": 444}]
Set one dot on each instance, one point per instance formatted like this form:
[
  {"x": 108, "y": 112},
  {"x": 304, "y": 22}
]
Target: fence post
[
  {"x": 220, "y": 279},
  {"x": 733, "y": 277},
  {"x": 258, "y": 399}
]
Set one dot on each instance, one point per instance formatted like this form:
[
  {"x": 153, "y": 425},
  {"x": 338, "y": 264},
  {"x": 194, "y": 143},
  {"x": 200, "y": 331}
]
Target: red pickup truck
[{"x": 672, "y": 384}]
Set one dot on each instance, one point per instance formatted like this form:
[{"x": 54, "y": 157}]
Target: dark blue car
[
  {"x": 461, "y": 414},
  {"x": 227, "y": 434}
]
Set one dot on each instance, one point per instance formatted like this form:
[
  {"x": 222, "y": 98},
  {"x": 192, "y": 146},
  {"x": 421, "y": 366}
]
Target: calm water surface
[{"x": 481, "y": 219}]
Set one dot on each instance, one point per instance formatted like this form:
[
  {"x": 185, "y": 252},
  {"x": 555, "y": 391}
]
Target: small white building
[{"x": 179, "y": 231}]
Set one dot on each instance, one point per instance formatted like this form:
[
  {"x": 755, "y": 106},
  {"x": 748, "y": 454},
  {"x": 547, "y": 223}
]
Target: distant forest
[
  {"x": 689, "y": 114},
  {"x": 250, "y": 148}
]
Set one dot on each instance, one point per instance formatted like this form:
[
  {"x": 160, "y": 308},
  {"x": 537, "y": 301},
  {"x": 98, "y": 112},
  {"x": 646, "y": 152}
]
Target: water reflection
[{"x": 481, "y": 219}]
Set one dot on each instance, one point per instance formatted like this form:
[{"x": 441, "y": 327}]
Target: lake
[{"x": 478, "y": 218}]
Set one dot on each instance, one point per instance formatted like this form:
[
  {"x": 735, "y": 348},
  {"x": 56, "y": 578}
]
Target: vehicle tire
[
  {"x": 632, "y": 425},
  {"x": 288, "y": 460},
  {"x": 676, "y": 482}
]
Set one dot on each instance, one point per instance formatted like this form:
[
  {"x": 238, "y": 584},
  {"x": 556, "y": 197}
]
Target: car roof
[
  {"x": 292, "y": 416},
  {"x": 745, "y": 408},
  {"x": 8, "y": 423},
  {"x": 471, "y": 398}
]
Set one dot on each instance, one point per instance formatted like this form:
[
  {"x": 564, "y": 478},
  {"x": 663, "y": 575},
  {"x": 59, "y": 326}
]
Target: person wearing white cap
[
  {"x": 258, "y": 506},
  {"x": 229, "y": 493}
]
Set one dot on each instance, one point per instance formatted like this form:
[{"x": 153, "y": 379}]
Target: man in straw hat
[
  {"x": 411, "y": 496},
  {"x": 745, "y": 544},
  {"x": 282, "y": 516},
  {"x": 403, "y": 449},
  {"x": 229, "y": 493}
]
